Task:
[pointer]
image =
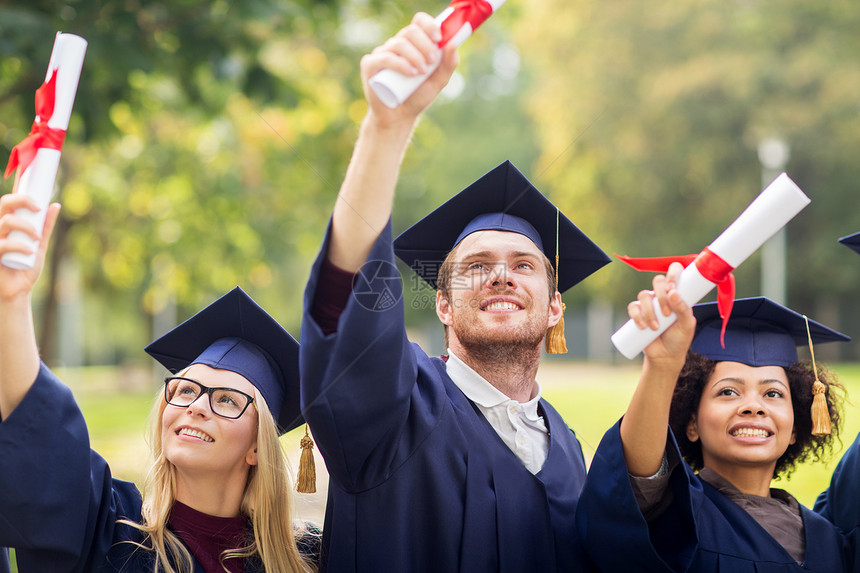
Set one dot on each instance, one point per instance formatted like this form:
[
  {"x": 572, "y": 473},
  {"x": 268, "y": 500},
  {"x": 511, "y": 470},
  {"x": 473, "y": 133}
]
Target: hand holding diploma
[
  {"x": 17, "y": 281},
  {"x": 771, "y": 210},
  {"x": 457, "y": 23},
  {"x": 38, "y": 156}
]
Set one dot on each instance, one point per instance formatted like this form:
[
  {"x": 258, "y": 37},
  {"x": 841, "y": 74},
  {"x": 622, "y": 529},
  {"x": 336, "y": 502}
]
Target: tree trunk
[{"x": 48, "y": 341}]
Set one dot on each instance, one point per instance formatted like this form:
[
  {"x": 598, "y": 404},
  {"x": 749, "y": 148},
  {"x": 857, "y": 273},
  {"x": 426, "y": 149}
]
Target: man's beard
[{"x": 500, "y": 345}]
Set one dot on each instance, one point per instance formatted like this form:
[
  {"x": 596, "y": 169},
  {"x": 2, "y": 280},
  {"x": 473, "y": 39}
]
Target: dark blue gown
[
  {"x": 419, "y": 479},
  {"x": 703, "y": 531},
  {"x": 59, "y": 504},
  {"x": 840, "y": 503}
]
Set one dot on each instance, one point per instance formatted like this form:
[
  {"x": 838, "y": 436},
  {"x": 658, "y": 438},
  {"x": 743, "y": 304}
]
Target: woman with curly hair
[
  {"x": 739, "y": 410},
  {"x": 218, "y": 494}
]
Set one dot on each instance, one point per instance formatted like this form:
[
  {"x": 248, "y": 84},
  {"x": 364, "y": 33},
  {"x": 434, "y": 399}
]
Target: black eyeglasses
[{"x": 225, "y": 402}]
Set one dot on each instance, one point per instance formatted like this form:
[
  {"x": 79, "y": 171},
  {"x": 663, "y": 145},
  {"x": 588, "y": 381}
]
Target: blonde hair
[{"x": 267, "y": 501}]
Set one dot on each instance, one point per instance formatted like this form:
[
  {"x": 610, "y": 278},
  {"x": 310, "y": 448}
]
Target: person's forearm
[
  {"x": 644, "y": 427},
  {"x": 19, "y": 354},
  {"x": 364, "y": 203}
]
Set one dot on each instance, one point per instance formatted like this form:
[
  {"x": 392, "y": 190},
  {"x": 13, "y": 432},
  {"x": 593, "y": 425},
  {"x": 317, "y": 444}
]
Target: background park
[{"x": 209, "y": 138}]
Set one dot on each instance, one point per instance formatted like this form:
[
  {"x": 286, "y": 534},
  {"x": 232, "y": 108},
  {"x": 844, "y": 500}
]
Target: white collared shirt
[{"x": 517, "y": 423}]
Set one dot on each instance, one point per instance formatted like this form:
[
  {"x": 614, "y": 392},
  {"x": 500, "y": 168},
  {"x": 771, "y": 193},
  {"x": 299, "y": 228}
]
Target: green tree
[
  {"x": 650, "y": 117},
  {"x": 209, "y": 140},
  {"x": 201, "y": 134}
]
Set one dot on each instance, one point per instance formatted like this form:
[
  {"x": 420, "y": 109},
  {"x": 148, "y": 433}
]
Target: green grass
[{"x": 116, "y": 405}]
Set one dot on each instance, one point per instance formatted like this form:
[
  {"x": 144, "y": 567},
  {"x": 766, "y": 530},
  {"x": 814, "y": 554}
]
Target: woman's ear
[
  {"x": 251, "y": 456},
  {"x": 692, "y": 429}
]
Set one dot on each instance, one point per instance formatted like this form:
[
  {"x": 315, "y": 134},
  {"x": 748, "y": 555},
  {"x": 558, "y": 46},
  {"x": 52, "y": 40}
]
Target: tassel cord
[
  {"x": 554, "y": 342},
  {"x": 307, "y": 478},
  {"x": 820, "y": 411}
]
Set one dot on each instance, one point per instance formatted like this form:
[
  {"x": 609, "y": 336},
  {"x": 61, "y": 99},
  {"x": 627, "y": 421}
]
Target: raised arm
[
  {"x": 364, "y": 203},
  {"x": 19, "y": 355},
  {"x": 644, "y": 426}
]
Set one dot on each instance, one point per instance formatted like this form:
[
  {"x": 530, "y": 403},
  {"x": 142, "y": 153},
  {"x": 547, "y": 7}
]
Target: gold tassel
[
  {"x": 307, "y": 482},
  {"x": 820, "y": 411},
  {"x": 554, "y": 341}
]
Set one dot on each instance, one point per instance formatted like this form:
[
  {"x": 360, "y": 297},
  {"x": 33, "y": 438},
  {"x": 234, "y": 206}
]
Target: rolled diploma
[
  {"x": 393, "y": 88},
  {"x": 767, "y": 214},
  {"x": 37, "y": 181}
]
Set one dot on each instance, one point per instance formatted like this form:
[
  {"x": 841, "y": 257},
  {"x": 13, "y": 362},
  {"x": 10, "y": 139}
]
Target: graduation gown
[
  {"x": 840, "y": 503},
  {"x": 419, "y": 479},
  {"x": 703, "y": 531},
  {"x": 59, "y": 504}
]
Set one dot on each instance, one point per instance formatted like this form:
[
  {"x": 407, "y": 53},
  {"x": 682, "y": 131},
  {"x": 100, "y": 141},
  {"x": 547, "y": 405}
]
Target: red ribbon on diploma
[
  {"x": 41, "y": 136},
  {"x": 709, "y": 265},
  {"x": 472, "y": 11}
]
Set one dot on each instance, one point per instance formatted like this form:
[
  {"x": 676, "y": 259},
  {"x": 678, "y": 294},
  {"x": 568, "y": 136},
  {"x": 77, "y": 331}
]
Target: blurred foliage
[
  {"x": 208, "y": 142},
  {"x": 182, "y": 175},
  {"x": 209, "y": 139},
  {"x": 650, "y": 117}
]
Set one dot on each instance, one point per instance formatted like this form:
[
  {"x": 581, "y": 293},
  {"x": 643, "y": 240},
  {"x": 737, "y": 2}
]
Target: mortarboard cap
[
  {"x": 852, "y": 242},
  {"x": 760, "y": 332},
  {"x": 234, "y": 333},
  {"x": 501, "y": 200}
]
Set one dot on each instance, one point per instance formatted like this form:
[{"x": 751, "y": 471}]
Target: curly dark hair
[{"x": 688, "y": 393}]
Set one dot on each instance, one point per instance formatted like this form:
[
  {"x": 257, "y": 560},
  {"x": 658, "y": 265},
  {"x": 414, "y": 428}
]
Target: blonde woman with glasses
[{"x": 217, "y": 496}]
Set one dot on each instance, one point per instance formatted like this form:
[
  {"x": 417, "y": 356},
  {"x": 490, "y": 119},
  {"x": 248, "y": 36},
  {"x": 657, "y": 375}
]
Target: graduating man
[
  {"x": 453, "y": 464},
  {"x": 840, "y": 503}
]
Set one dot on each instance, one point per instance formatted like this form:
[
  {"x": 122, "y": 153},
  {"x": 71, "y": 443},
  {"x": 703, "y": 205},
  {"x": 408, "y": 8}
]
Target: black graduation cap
[
  {"x": 760, "y": 332},
  {"x": 852, "y": 242},
  {"x": 501, "y": 200},
  {"x": 234, "y": 333}
]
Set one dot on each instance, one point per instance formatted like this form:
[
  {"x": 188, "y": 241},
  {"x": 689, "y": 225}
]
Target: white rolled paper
[
  {"x": 767, "y": 214},
  {"x": 393, "y": 88},
  {"x": 37, "y": 180}
]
